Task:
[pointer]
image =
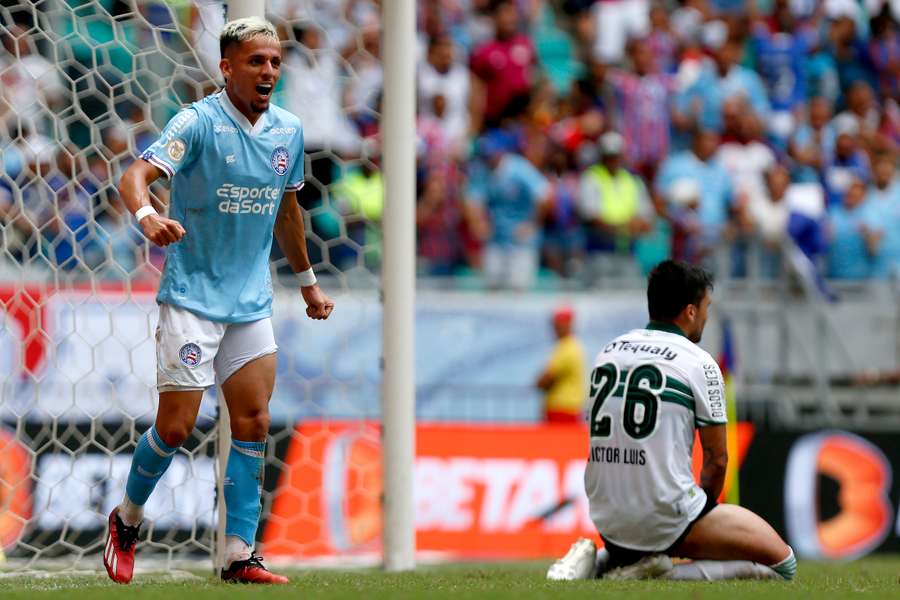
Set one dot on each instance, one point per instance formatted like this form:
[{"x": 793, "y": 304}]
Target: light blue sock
[
  {"x": 243, "y": 489},
  {"x": 788, "y": 567},
  {"x": 151, "y": 459}
]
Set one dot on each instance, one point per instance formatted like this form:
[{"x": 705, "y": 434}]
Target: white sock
[
  {"x": 235, "y": 549},
  {"x": 787, "y": 568},
  {"x": 131, "y": 513},
  {"x": 717, "y": 570}
]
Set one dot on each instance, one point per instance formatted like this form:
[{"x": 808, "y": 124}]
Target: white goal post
[{"x": 398, "y": 395}]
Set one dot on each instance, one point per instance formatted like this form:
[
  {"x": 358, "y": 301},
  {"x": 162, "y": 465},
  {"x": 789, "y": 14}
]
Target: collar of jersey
[
  {"x": 239, "y": 118},
  {"x": 667, "y": 327}
]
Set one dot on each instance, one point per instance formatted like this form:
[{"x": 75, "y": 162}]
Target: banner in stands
[{"x": 89, "y": 354}]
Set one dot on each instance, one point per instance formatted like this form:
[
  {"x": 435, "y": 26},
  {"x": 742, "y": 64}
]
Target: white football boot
[
  {"x": 578, "y": 563},
  {"x": 649, "y": 567}
]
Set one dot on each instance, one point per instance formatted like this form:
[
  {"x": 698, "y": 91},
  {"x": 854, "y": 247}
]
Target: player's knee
[
  {"x": 770, "y": 549},
  {"x": 173, "y": 434},
  {"x": 251, "y": 427}
]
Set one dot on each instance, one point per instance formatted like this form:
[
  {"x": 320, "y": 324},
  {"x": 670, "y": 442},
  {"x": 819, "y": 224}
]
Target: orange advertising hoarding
[
  {"x": 15, "y": 488},
  {"x": 481, "y": 492}
]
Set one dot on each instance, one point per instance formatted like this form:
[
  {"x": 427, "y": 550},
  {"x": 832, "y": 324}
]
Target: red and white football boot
[
  {"x": 118, "y": 554},
  {"x": 251, "y": 571}
]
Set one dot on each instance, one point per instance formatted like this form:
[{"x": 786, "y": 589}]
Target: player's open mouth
[{"x": 264, "y": 89}]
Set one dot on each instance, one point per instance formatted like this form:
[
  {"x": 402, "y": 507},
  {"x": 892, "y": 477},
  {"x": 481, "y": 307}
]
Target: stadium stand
[{"x": 740, "y": 124}]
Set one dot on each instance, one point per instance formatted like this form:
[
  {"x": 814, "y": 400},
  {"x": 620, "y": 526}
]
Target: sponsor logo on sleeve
[
  {"x": 176, "y": 149},
  {"x": 179, "y": 124},
  {"x": 714, "y": 387},
  {"x": 190, "y": 354},
  {"x": 279, "y": 160}
]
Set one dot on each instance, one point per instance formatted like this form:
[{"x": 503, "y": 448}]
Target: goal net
[{"x": 85, "y": 86}]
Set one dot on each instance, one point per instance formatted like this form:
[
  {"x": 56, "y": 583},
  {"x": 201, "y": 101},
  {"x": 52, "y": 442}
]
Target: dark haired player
[
  {"x": 650, "y": 389},
  {"x": 235, "y": 164}
]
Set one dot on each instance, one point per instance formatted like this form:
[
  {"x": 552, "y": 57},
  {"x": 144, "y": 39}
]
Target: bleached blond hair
[{"x": 241, "y": 30}]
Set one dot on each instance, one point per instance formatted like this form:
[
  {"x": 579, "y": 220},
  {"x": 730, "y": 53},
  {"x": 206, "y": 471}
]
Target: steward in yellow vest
[
  {"x": 613, "y": 201},
  {"x": 360, "y": 197}
]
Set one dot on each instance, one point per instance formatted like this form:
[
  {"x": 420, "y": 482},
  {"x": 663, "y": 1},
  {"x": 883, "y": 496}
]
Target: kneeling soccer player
[
  {"x": 236, "y": 164},
  {"x": 650, "y": 388}
]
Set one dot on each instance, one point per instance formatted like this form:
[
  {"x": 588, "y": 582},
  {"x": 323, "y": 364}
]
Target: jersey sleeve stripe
[
  {"x": 682, "y": 387},
  {"x": 160, "y": 164},
  {"x": 294, "y": 187},
  {"x": 705, "y": 422},
  {"x": 688, "y": 397},
  {"x": 668, "y": 396}
]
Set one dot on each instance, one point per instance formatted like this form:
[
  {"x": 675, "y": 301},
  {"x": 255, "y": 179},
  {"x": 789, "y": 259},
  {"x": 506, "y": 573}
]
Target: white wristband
[
  {"x": 307, "y": 278},
  {"x": 143, "y": 212}
]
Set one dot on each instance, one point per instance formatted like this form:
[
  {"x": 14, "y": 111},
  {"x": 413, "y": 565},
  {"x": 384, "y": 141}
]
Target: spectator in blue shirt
[
  {"x": 854, "y": 238},
  {"x": 781, "y": 46},
  {"x": 848, "y": 163},
  {"x": 512, "y": 199},
  {"x": 719, "y": 80},
  {"x": 563, "y": 233},
  {"x": 701, "y": 165},
  {"x": 883, "y": 206},
  {"x": 850, "y": 55},
  {"x": 812, "y": 146}
]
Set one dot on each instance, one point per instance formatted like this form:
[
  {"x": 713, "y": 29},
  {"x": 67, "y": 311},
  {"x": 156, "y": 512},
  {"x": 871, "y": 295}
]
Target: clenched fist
[
  {"x": 318, "y": 305},
  {"x": 162, "y": 231}
]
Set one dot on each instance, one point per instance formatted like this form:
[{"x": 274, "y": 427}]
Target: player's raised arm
[
  {"x": 291, "y": 235},
  {"x": 134, "y": 188}
]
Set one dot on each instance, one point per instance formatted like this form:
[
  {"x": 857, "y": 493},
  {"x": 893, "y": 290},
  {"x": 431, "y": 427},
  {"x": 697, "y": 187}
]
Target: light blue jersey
[
  {"x": 510, "y": 194},
  {"x": 716, "y": 190},
  {"x": 228, "y": 178}
]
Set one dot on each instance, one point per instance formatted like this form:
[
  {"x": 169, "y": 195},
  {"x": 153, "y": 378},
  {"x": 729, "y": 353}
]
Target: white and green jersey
[{"x": 649, "y": 389}]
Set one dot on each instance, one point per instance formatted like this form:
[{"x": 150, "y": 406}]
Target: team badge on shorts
[
  {"x": 190, "y": 354},
  {"x": 279, "y": 160}
]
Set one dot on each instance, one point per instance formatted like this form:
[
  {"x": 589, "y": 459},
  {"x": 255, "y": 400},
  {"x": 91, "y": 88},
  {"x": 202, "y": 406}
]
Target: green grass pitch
[{"x": 868, "y": 578}]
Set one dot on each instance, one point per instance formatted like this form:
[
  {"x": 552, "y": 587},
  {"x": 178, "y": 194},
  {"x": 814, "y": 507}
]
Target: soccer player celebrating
[
  {"x": 235, "y": 164},
  {"x": 650, "y": 388}
]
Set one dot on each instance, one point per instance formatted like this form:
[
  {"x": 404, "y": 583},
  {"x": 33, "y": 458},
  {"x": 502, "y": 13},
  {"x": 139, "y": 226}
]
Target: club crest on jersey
[
  {"x": 190, "y": 354},
  {"x": 176, "y": 150},
  {"x": 279, "y": 160}
]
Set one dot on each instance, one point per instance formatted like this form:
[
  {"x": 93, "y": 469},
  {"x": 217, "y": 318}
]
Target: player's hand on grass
[
  {"x": 162, "y": 231},
  {"x": 318, "y": 304}
]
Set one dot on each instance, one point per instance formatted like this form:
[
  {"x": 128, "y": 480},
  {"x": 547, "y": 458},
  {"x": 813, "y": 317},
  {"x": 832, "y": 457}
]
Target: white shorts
[{"x": 193, "y": 353}]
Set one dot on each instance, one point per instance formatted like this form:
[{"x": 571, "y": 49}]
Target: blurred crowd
[{"x": 557, "y": 140}]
